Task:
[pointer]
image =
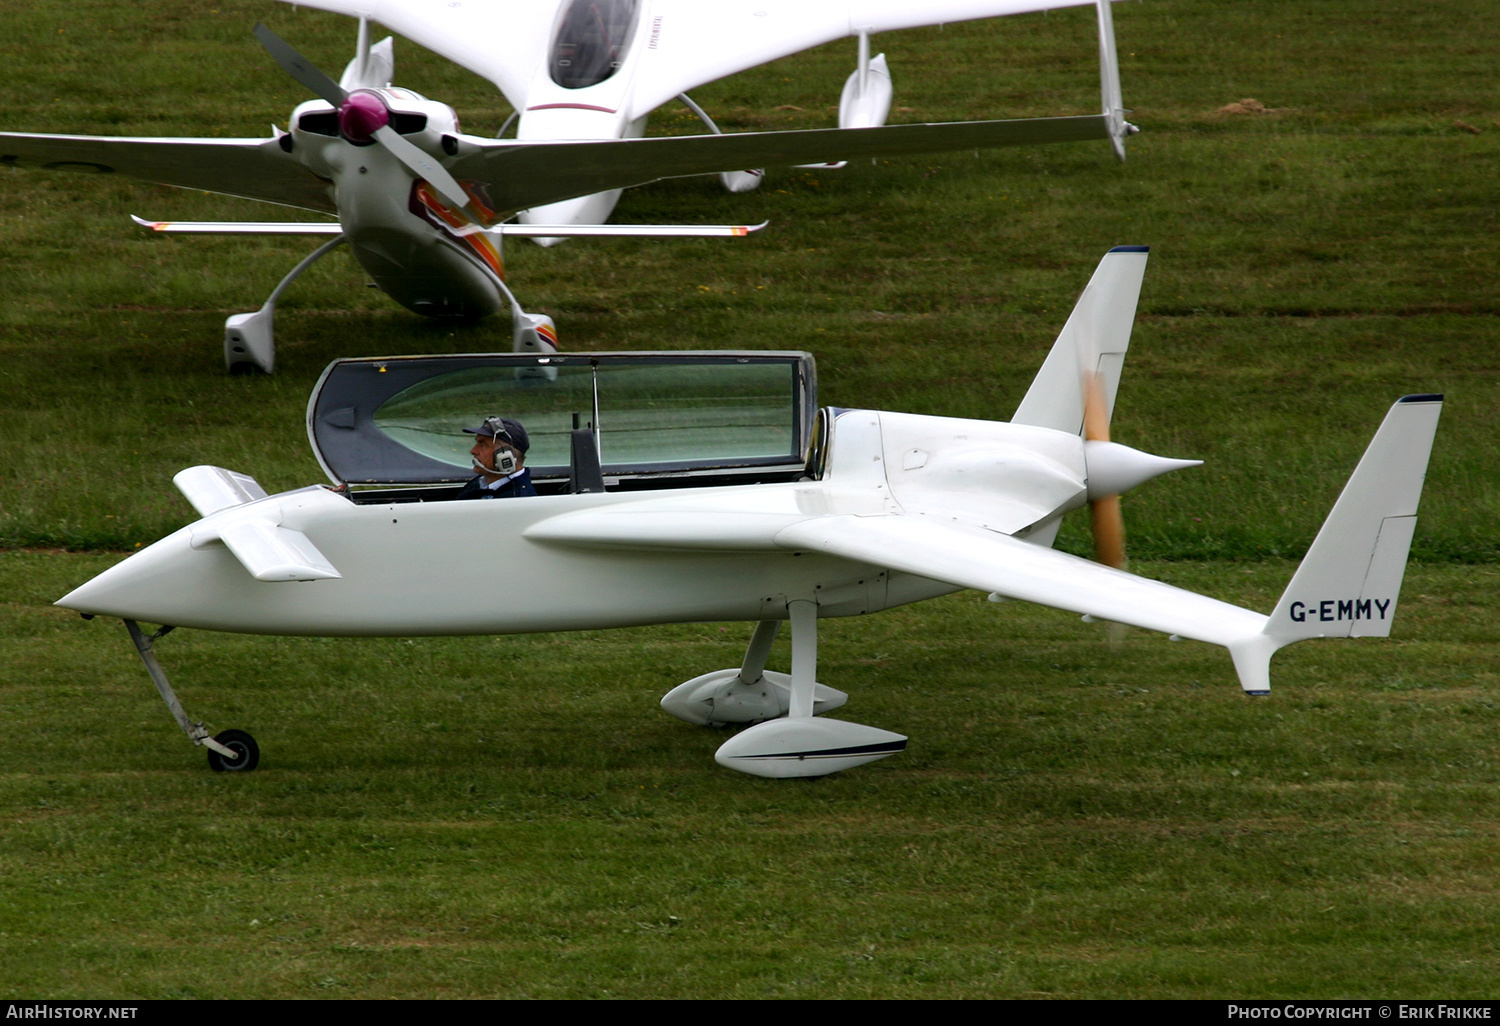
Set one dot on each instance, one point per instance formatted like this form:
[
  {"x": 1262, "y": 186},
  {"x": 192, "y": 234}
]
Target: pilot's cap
[{"x": 505, "y": 429}]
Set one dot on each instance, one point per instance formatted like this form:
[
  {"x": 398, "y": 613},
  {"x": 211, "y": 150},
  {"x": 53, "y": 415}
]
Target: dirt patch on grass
[{"x": 1250, "y": 105}]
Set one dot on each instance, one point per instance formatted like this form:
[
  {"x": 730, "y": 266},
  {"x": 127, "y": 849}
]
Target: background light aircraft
[
  {"x": 596, "y": 69},
  {"x": 707, "y": 486},
  {"x": 422, "y": 206}
]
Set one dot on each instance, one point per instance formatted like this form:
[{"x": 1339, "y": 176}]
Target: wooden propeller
[{"x": 1104, "y": 512}]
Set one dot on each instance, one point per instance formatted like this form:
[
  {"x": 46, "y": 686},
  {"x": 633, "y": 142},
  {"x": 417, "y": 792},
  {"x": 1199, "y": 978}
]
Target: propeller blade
[
  {"x": 423, "y": 166},
  {"x": 1109, "y": 531},
  {"x": 1095, "y": 410},
  {"x": 1104, "y": 513},
  {"x": 1109, "y": 548},
  {"x": 299, "y": 67}
]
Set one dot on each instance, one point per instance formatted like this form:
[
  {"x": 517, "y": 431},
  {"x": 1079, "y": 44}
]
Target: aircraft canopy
[{"x": 401, "y": 420}]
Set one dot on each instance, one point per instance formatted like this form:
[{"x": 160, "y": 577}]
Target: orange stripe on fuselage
[{"x": 461, "y": 228}]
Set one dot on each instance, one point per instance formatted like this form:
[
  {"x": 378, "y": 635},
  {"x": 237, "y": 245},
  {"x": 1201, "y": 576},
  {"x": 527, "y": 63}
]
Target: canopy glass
[
  {"x": 591, "y": 40},
  {"x": 401, "y": 421}
]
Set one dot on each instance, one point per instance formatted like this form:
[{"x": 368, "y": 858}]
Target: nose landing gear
[{"x": 229, "y": 751}]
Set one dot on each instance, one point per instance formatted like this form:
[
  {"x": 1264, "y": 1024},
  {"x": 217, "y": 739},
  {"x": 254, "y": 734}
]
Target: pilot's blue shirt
[{"x": 516, "y": 486}]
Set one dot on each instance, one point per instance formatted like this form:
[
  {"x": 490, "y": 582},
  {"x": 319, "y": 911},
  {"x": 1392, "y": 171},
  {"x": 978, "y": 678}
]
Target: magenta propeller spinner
[{"x": 361, "y": 115}]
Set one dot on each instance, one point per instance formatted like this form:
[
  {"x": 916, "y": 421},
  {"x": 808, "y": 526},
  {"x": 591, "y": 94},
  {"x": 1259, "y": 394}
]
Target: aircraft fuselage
[
  {"x": 440, "y": 568},
  {"x": 599, "y": 560},
  {"x": 427, "y": 258}
]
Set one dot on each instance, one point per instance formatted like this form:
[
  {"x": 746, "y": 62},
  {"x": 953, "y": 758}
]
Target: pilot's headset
[{"x": 504, "y": 460}]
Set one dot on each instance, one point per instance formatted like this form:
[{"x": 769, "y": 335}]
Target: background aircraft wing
[
  {"x": 686, "y": 42},
  {"x": 972, "y": 557},
  {"x": 690, "y": 42},
  {"x": 517, "y": 175},
  {"x": 501, "y": 40},
  {"x": 255, "y": 169}
]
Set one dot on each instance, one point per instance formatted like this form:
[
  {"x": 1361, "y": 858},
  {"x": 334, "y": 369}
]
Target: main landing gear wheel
[{"x": 243, "y": 745}]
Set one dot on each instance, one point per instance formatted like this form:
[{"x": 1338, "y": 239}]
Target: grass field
[{"x": 514, "y": 817}]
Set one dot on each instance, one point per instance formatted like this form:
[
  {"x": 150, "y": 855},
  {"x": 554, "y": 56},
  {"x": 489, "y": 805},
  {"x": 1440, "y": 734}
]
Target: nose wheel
[
  {"x": 246, "y": 751},
  {"x": 229, "y": 751}
]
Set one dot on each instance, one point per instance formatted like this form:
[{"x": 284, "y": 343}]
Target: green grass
[{"x": 514, "y": 817}]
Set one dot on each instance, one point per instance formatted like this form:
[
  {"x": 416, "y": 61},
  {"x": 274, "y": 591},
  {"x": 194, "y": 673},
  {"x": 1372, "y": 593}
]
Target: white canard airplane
[
  {"x": 423, "y": 206},
  {"x": 596, "y": 69},
  {"x": 708, "y": 486}
]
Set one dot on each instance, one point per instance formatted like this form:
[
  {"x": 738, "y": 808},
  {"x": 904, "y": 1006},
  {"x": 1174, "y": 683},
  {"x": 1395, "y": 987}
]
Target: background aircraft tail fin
[{"x": 1094, "y": 340}]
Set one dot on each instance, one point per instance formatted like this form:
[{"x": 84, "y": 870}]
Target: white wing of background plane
[
  {"x": 690, "y": 42},
  {"x": 501, "y": 40},
  {"x": 517, "y": 175},
  {"x": 684, "y": 43}
]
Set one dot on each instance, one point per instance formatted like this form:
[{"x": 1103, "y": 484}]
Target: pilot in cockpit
[{"x": 499, "y": 454}]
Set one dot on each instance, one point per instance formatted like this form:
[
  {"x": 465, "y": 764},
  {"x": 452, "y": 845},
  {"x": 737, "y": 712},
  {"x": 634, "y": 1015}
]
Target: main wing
[
  {"x": 517, "y": 175},
  {"x": 255, "y": 169},
  {"x": 686, "y": 42},
  {"x": 972, "y": 557},
  {"x": 939, "y": 549}
]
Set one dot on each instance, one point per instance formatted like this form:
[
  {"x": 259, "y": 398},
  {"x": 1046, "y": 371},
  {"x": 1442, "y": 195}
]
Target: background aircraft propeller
[{"x": 365, "y": 118}]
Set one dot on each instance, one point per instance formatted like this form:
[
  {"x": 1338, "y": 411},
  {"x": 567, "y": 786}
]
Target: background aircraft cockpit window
[{"x": 591, "y": 40}]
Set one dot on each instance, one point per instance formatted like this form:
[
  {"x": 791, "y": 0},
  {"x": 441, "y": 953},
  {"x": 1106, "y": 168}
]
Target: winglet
[
  {"x": 1109, "y": 82},
  {"x": 1348, "y": 583}
]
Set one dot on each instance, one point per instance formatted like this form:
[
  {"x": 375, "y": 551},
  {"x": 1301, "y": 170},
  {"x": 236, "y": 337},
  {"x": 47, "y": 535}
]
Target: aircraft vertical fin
[
  {"x": 1097, "y": 334},
  {"x": 1348, "y": 583}
]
